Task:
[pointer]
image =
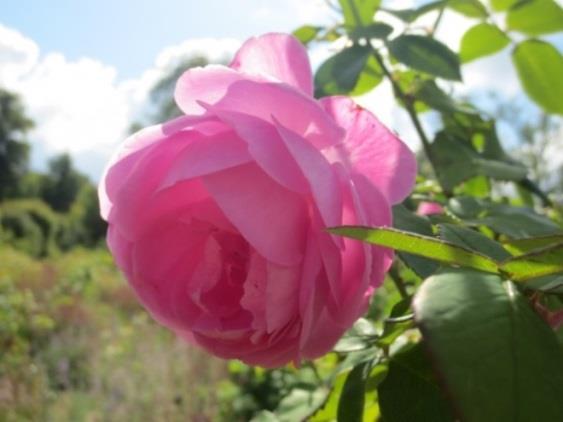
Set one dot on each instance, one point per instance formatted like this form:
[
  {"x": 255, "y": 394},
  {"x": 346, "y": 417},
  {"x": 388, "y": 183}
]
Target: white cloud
[
  {"x": 80, "y": 106},
  {"x": 311, "y": 11},
  {"x": 215, "y": 50},
  {"x": 18, "y": 54},
  {"x": 77, "y": 105}
]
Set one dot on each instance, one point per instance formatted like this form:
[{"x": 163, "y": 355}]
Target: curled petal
[
  {"x": 217, "y": 88},
  {"x": 280, "y": 56},
  {"x": 371, "y": 149}
]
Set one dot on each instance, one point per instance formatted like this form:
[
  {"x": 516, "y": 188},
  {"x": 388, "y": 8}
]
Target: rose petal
[
  {"x": 267, "y": 148},
  {"x": 134, "y": 150},
  {"x": 371, "y": 149},
  {"x": 218, "y": 88},
  {"x": 320, "y": 176},
  {"x": 282, "y": 295},
  {"x": 311, "y": 269},
  {"x": 271, "y": 218},
  {"x": 281, "y": 56},
  {"x": 204, "y": 155}
]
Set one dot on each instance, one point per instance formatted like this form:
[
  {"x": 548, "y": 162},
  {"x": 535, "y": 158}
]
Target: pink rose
[
  {"x": 218, "y": 218},
  {"x": 429, "y": 208}
]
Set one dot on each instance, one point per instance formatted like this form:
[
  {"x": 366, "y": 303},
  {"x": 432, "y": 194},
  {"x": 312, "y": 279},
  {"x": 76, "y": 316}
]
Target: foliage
[
  {"x": 42, "y": 214},
  {"x": 61, "y": 184},
  {"x": 14, "y": 150},
  {"x": 471, "y": 328},
  {"x": 31, "y": 226},
  {"x": 467, "y": 325},
  {"x": 163, "y": 105},
  {"x": 71, "y": 348}
]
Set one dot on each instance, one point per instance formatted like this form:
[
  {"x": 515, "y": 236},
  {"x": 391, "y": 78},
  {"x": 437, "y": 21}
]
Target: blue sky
[
  {"x": 128, "y": 34},
  {"x": 84, "y": 67}
]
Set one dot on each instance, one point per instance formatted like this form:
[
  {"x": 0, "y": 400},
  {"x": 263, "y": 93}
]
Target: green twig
[
  {"x": 399, "y": 282},
  {"x": 409, "y": 106},
  {"x": 437, "y": 21},
  {"x": 533, "y": 188}
]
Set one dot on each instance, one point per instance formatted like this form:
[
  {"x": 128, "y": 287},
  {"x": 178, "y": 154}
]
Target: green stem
[
  {"x": 533, "y": 188},
  {"x": 399, "y": 282},
  {"x": 437, "y": 21},
  {"x": 409, "y": 106}
]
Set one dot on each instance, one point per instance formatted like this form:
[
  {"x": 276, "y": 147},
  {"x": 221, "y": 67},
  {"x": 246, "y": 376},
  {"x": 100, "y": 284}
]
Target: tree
[
  {"x": 85, "y": 212},
  {"x": 61, "y": 183},
  {"x": 14, "y": 151},
  {"x": 161, "y": 95}
]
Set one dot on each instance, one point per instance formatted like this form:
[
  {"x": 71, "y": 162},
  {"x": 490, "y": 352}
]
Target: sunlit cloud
[
  {"x": 80, "y": 106},
  {"x": 83, "y": 107}
]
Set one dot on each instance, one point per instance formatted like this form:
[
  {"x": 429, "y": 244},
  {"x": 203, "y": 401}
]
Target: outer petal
[
  {"x": 137, "y": 147},
  {"x": 204, "y": 155},
  {"x": 371, "y": 149},
  {"x": 217, "y": 88},
  {"x": 319, "y": 174},
  {"x": 267, "y": 148},
  {"x": 280, "y": 56},
  {"x": 204, "y": 84}
]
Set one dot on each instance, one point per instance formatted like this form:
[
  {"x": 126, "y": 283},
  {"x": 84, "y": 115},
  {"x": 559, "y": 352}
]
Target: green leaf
[
  {"x": 358, "y": 12},
  {"x": 465, "y": 125},
  {"x": 361, "y": 336},
  {"x": 516, "y": 222},
  {"x": 482, "y": 40},
  {"x": 392, "y": 330},
  {"x": 351, "y": 70},
  {"x": 353, "y": 359},
  {"x": 300, "y": 403},
  {"x": 431, "y": 94},
  {"x": 540, "y": 66},
  {"x": 500, "y": 170},
  {"x": 416, "y": 244},
  {"x": 410, "y": 82},
  {"x": 410, "y": 392},
  {"x": 535, "y": 17},
  {"x": 374, "y": 30},
  {"x": 493, "y": 148},
  {"x": 410, "y": 15},
  {"x": 522, "y": 246},
  {"x": 457, "y": 162},
  {"x": 351, "y": 403},
  {"x": 473, "y": 240},
  {"x": 478, "y": 186},
  {"x": 265, "y": 416},
  {"x": 405, "y": 220},
  {"x": 538, "y": 263},
  {"x": 306, "y": 33},
  {"x": 369, "y": 78},
  {"x": 470, "y": 8},
  {"x": 332, "y": 34},
  {"x": 497, "y": 358},
  {"x": 501, "y": 5},
  {"x": 466, "y": 206},
  {"x": 329, "y": 410},
  {"x": 453, "y": 161},
  {"x": 549, "y": 284},
  {"x": 427, "y": 55},
  {"x": 371, "y": 407}
]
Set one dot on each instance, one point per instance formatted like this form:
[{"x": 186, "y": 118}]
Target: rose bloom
[
  {"x": 429, "y": 208},
  {"x": 218, "y": 218}
]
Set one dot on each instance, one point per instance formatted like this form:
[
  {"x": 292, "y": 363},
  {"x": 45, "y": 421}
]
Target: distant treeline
[{"x": 42, "y": 213}]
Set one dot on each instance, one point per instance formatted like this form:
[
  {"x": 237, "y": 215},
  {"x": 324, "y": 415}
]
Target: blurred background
[{"x": 76, "y": 78}]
